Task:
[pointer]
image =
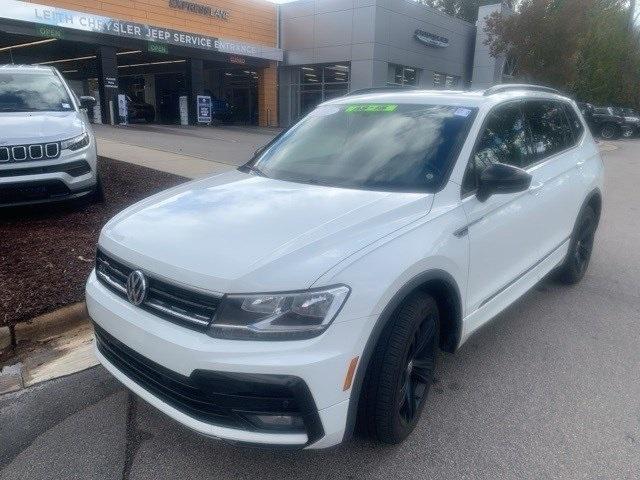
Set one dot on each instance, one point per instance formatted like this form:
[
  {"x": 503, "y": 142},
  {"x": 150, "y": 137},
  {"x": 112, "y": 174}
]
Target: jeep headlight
[
  {"x": 278, "y": 316},
  {"x": 75, "y": 143}
]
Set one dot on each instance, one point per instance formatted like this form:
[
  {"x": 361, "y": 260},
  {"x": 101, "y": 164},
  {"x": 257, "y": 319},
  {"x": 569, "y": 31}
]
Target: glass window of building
[
  {"x": 445, "y": 81},
  {"x": 401, "y": 75},
  {"x": 319, "y": 83}
]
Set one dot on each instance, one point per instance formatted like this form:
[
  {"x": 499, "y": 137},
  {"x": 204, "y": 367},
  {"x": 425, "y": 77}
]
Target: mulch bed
[{"x": 47, "y": 252}]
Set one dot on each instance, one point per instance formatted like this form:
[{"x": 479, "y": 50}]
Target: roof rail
[
  {"x": 386, "y": 89},
  {"x": 507, "y": 87}
]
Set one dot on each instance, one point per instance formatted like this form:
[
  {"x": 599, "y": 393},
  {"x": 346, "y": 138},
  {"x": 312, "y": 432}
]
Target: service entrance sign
[
  {"x": 61, "y": 18},
  {"x": 204, "y": 109}
]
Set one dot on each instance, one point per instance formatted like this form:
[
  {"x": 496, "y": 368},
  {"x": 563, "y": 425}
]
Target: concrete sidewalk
[
  {"x": 183, "y": 165},
  {"x": 188, "y": 151}
]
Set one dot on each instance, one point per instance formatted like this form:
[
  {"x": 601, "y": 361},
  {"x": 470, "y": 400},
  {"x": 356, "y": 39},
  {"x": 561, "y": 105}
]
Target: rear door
[{"x": 557, "y": 183}]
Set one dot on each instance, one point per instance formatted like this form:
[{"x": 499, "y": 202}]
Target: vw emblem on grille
[{"x": 136, "y": 287}]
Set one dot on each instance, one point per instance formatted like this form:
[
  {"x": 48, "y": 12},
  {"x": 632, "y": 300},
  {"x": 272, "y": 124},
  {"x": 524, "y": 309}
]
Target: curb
[{"x": 53, "y": 345}]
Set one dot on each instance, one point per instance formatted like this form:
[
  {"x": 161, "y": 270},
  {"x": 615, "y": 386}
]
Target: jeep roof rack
[{"x": 507, "y": 87}]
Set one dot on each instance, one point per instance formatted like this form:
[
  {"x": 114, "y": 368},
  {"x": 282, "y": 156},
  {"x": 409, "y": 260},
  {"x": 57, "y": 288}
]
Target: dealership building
[{"x": 264, "y": 64}]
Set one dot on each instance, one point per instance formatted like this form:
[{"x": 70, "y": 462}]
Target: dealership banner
[{"x": 63, "y": 18}]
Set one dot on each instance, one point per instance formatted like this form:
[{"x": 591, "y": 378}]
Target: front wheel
[
  {"x": 627, "y": 132},
  {"x": 401, "y": 370},
  {"x": 580, "y": 247}
]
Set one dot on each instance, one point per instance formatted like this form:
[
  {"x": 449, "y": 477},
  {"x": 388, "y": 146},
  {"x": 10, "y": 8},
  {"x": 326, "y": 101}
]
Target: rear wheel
[
  {"x": 609, "y": 131},
  {"x": 577, "y": 260},
  {"x": 401, "y": 371}
]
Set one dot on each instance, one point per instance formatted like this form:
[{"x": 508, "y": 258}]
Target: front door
[{"x": 506, "y": 230}]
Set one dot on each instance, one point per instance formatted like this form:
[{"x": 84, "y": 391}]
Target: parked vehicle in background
[
  {"x": 140, "y": 110},
  {"x": 631, "y": 119},
  {"x": 603, "y": 122},
  {"x": 221, "y": 111},
  {"x": 47, "y": 147},
  {"x": 278, "y": 303}
]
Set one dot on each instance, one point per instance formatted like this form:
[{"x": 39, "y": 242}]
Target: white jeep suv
[
  {"x": 47, "y": 148},
  {"x": 278, "y": 303}
]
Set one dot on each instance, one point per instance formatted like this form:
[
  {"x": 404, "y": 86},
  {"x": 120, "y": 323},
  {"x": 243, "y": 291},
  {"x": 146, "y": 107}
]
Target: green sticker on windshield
[{"x": 371, "y": 108}]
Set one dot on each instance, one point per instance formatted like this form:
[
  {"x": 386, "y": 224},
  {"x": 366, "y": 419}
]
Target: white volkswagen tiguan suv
[
  {"x": 278, "y": 303},
  {"x": 47, "y": 148}
]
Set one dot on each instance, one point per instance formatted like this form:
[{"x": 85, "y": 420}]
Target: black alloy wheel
[
  {"x": 577, "y": 260},
  {"x": 401, "y": 370},
  {"x": 418, "y": 372},
  {"x": 608, "y": 131}
]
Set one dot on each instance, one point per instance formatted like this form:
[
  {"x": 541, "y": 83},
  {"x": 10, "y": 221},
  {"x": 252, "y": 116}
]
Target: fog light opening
[{"x": 292, "y": 423}]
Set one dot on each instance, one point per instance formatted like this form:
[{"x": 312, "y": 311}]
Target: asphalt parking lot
[{"x": 550, "y": 389}]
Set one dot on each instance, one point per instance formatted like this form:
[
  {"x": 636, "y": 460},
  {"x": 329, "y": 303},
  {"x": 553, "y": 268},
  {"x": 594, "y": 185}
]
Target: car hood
[
  {"x": 34, "y": 127},
  {"x": 237, "y": 232}
]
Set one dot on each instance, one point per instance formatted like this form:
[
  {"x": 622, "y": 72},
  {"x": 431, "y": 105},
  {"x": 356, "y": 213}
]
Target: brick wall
[
  {"x": 268, "y": 96},
  {"x": 251, "y": 21}
]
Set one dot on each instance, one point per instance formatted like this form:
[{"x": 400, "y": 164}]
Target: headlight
[
  {"x": 75, "y": 143},
  {"x": 278, "y": 316},
  {"x": 632, "y": 119}
]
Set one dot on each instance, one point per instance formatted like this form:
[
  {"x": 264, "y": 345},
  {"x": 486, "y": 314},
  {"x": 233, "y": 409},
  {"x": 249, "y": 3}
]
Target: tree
[{"x": 582, "y": 47}]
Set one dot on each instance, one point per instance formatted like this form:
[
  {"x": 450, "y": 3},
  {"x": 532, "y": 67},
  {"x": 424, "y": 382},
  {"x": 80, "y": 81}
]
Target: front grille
[
  {"x": 32, "y": 191},
  {"x": 75, "y": 169},
  {"x": 219, "y": 398},
  {"x": 25, "y": 153},
  {"x": 180, "y": 305}
]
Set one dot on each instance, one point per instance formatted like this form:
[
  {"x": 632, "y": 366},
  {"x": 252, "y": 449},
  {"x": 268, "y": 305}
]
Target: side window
[
  {"x": 550, "y": 129},
  {"x": 502, "y": 140},
  {"x": 574, "y": 120}
]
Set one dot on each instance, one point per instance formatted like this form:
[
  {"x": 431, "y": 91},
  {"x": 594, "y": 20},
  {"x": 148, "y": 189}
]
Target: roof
[{"x": 472, "y": 98}]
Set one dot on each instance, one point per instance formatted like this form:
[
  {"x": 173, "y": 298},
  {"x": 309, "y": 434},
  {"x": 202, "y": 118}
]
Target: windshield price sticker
[
  {"x": 462, "y": 112},
  {"x": 371, "y": 108}
]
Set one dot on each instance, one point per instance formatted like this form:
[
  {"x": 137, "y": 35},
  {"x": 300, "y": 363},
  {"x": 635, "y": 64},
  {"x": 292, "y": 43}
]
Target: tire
[
  {"x": 97, "y": 196},
  {"x": 609, "y": 131},
  {"x": 401, "y": 369},
  {"x": 577, "y": 260},
  {"x": 627, "y": 132}
]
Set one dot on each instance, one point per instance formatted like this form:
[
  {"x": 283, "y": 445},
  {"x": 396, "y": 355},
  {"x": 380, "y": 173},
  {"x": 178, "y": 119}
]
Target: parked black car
[
  {"x": 631, "y": 120},
  {"x": 139, "y": 110},
  {"x": 603, "y": 121},
  {"x": 221, "y": 111}
]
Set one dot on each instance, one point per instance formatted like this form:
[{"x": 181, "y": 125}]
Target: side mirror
[
  {"x": 502, "y": 178},
  {"x": 87, "y": 102}
]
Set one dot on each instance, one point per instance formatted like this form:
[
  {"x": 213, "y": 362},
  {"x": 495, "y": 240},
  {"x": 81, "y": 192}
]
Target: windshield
[
  {"x": 395, "y": 147},
  {"x": 33, "y": 92}
]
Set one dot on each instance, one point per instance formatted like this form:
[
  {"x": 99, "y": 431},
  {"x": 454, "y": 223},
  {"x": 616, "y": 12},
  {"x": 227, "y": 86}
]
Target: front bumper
[
  {"x": 70, "y": 176},
  {"x": 308, "y": 375}
]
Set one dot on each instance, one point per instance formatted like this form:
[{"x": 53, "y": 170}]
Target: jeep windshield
[
  {"x": 394, "y": 147},
  {"x": 33, "y": 92}
]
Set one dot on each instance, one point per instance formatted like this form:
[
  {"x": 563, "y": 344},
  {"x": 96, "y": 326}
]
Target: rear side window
[
  {"x": 574, "y": 120},
  {"x": 503, "y": 140},
  {"x": 550, "y": 129}
]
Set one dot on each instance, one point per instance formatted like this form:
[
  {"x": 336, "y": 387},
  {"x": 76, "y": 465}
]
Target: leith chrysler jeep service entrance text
[{"x": 309, "y": 291}]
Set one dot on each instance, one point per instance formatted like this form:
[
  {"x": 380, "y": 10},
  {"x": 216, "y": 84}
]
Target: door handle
[{"x": 535, "y": 188}]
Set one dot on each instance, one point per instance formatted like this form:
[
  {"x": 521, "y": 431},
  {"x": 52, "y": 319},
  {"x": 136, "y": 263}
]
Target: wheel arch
[{"x": 443, "y": 287}]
